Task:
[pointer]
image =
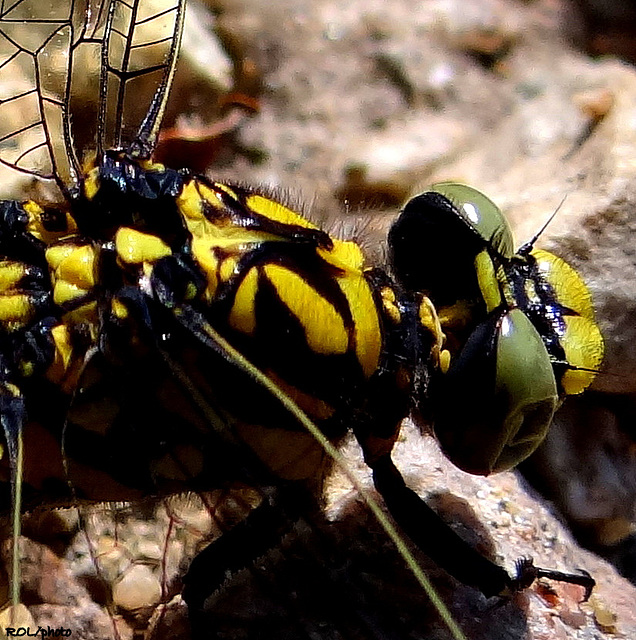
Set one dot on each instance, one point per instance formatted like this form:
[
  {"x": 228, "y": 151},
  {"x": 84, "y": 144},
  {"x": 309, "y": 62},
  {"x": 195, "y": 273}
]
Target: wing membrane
[
  {"x": 74, "y": 75},
  {"x": 142, "y": 41},
  {"x": 36, "y": 39}
]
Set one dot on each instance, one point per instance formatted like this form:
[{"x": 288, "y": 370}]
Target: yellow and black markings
[{"x": 165, "y": 332}]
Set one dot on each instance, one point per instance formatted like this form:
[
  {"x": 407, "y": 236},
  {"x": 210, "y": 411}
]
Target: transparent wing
[
  {"x": 142, "y": 40},
  {"x": 79, "y": 76},
  {"x": 36, "y": 49}
]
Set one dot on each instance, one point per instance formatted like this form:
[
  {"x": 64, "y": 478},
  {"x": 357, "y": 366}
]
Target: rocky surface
[{"x": 357, "y": 105}]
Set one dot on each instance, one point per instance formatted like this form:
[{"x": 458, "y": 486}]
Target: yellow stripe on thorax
[
  {"x": 348, "y": 257},
  {"x": 243, "y": 313},
  {"x": 218, "y": 243},
  {"x": 216, "y": 235},
  {"x": 277, "y": 212},
  {"x": 366, "y": 324},
  {"x": 324, "y": 327}
]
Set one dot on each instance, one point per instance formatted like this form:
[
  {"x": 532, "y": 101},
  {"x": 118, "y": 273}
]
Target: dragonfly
[{"x": 163, "y": 332}]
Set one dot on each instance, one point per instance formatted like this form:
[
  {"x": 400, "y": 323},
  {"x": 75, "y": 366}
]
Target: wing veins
[
  {"x": 149, "y": 129},
  {"x": 65, "y": 119},
  {"x": 165, "y": 12},
  {"x": 149, "y": 44},
  {"x": 41, "y": 174},
  {"x": 50, "y": 53},
  {"x": 46, "y": 119},
  {"x": 123, "y": 72},
  {"x": 26, "y": 127},
  {"x": 13, "y": 6},
  {"x": 10, "y": 59},
  {"x": 28, "y": 151},
  {"x": 17, "y": 97},
  {"x": 129, "y": 75}
]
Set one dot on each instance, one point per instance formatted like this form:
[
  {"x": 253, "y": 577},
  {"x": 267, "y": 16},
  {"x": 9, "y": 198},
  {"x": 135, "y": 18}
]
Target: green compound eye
[
  {"x": 481, "y": 213},
  {"x": 437, "y": 238},
  {"x": 496, "y": 402},
  {"x": 519, "y": 326}
]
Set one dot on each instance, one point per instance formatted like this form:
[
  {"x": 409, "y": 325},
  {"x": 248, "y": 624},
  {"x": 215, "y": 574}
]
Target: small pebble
[{"x": 137, "y": 588}]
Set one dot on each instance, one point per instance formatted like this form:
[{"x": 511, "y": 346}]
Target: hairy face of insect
[{"x": 519, "y": 327}]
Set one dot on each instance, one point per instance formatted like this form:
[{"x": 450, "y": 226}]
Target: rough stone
[
  {"x": 359, "y": 103},
  {"x": 137, "y": 588}
]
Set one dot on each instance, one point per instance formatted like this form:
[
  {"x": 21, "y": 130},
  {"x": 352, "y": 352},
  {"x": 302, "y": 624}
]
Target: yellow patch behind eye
[
  {"x": 487, "y": 279},
  {"x": 569, "y": 288},
  {"x": 276, "y": 211},
  {"x": 584, "y": 347},
  {"x": 324, "y": 327}
]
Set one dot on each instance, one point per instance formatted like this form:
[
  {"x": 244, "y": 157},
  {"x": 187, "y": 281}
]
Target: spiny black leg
[
  {"x": 433, "y": 536},
  {"x": 237, "y": 549},
  {"x": 527, "y": 573},
  {"x": 12, "y": 419}
]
